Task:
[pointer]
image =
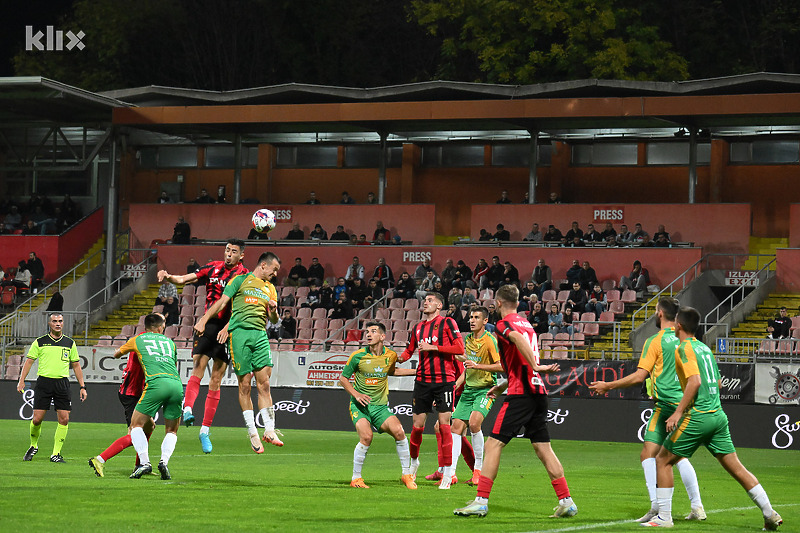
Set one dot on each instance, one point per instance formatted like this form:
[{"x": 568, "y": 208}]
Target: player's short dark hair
[
  {"x": 435, "y": 295},
  {"x": 508, "y": 293},
  {"x": 482, "y": 310},
  {"x": 153, "y": 321},
  {"x": 689, "y": 319},
  {"x": 669, "y": 307},
  {"x": 268, "y": 257},
  {"x": 236, "y": 242},
  {"x": 377, "y": 324}
]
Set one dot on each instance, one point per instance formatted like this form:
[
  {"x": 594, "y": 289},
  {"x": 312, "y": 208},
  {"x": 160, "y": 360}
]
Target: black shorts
[
  {"x": 428, "y": 395},
  {"x": 129, "y": 404},
  {"x": 522, "y": 416},
  {"x": 207, "y": 344},
  {"x": 53, "y": 391}
]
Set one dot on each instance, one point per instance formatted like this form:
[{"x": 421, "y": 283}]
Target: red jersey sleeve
[
  {"x": 203, "y": 271},
  {"x": 412, "y": 345}
]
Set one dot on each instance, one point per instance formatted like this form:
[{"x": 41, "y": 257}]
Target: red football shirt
[
  {"x": 521, "y": 377},
  {"x": 436, "y": 366},
  {"x": 132, "y": 377},
  {"x": 216, "y": 276}
]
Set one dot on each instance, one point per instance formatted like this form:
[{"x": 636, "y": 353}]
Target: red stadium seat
[
  {"x": 171, "y": 331},
  {"x": 608, "y": 284},
  {"x": 561, "y": 339},
  {"x": 767, "y": 346},
  {"x": 158, "y": 308},
  {"x": 186, "y": 332},
  {"x": 302, "y": 292},
  {"x": 545, "y": 339},
  {"x": 411, "y": 304},
  {"x": 785, "y": 346},
  {"x": 617, "y": 307},
  {"x": 560, "y": 352},
  {"x": 104, "y": 340},
  {"x": 612, "y": 295},
  {"x": 549, "y": 296},
  {"x": 128, "y": 331},
  {"x": 319, "y": 312},
  {"x": 606, "y": 316},
  {"x": 305, "y": 323},
  {"x": 563, "y": 296},
  {"x": 415, "y": 315},
  {"x": 305, "y": 333},
  {"x": 588, "y": 317},
  {"x": 118, "y": 341},
  {"x": 303, "y": 312},
  {"x": 628, "y": 296},
  {"x": 189, "y": 290},
  {"x": 591, "y": 329},
  {"x": 353, "y": 335},
  {"x": 578, "y": 340},
  {"x": 396, "y": 303},
  {"x": 382, "y": 314}
]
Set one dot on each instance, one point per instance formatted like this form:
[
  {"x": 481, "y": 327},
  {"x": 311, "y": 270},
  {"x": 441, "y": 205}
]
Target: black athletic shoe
[
  {"x": 57, "y": 458},
  {"x": 30, "y": 453},
  {"x": 164, "y": 470},
  {"x": 141, "y": 471}
]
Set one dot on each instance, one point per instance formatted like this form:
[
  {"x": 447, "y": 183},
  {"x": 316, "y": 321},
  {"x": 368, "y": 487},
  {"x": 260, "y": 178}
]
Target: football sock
[
  {"x": 35, "y": 432},
  {"x": 415, "y": 441},
  {"x": 477, "y": 445},
  {"x": 689, "y": 478},
  {"x": 484, "y": 487},
  {"x": 404, "y": 455},
  {"x": 467, "y": 453},
  {"x": 61, "y": 434},
  {"x": 268, "y": 417},
  {"x": 664, "y": 498},
  {"x": 140, "y": 444},
  {"x": 456, "y": 451},
  {"x": 205, "y": 429},
  {"x": 759, "y": 496},
  {"x": 212, "y": 401},
  {"x": 561, "y": 488},
  {"x": 439, "y": 451},
  {"x": 649, "y": 467},
  {"x": 447, "y": 444},
  {"x": 250, "y": 422},
  {"x": 192, "y": 390},
  {"x": 100, "y": 459},
  {"x": 116, "y": 447},
  {"x": 359, "y": 454},
  {"x": 168, "y": 446}
]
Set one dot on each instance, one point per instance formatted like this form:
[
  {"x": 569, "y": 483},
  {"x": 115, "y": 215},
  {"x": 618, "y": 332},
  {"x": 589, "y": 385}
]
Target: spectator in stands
[
  {"x": 661, "y": 231},
  {"x": 383, "y": 274},
  {"x": 61, "y": 220},
  {"x": 353, "y": 239},
  {"x": 288, "y": 325},
  {"x": 312, "y": 199},
  {"x": 71, "y": 210},
  {"x": 257, "y": 236},
  {"x": 510, "y": 275},
  {"x": 340, "y": 234},
  {"x": 525, "y": 199},
  {"x": 468, "y": 298},
  {"x": 576, "y": 242},
  {"x": 574, "y": 273},
  {"x": 574, "y": 231},
  {"x": 646, "y": 242},
  {"x": 2, "y": 274},
  {"x": 295, "y": 234},
  {"x": 454, "y": 297},
  {"x": 592, "y": 235},
  {"x": 358, "y": 293},
  {"x": 182, "y": 232},
  {"x": 438, "y": 288},
  {"x": 193, "y": 266},
  {"x": 45, "y": 223},
  {"x": 566, "y": 320},
  {"x": 171, "y": 312},
  {"x": 480, "y": 273},
  {"x": 166, "y": 290},
  {"x": 326, "y": 295},
  {"x": 484, "y": 236},
  {"x": 448, "y": 275},
  {"x": 553, "y": 234},
  {"x": 374, "y": 293},
  {"x": 347, "y": 199},
  {"x": 555, "y": 320},
  {"x": 501, "y": 234},
  {"x": 406, "y": 287},
  {"x": 339, "y": 289},
  {"x": 204, "y": 198},
  {"x": 362, "y": 240},
  {"x": 608, "y": 233},
  {"x": 318, "y": 234},
  {"x": 316, "y": 272},
  {"x": 13, "y": 220},
  {"x": 298, "y": 274},
  {"x": 313, "y": 296},
  {"x": 355, "y": 270},
  {"x": 380, "y": 240},
  {"x": 427, "y": 285},
  {"x": 463, "y": 276},
  {"x": 495, "y": 275},
  {"x": 780, "y": 326},
  {"x": 460, "y": 316},
  {"x": 554, "y": 198},
  {"x": 624, "y": 237},
  {"x": 397, "y": 240},
  {"x": 494, "y": 314},
  {"x": 535, "y": 235},
  {"x": 342, "y": 308},
  {"x": 577, "y": 298},
  {"x": 371, "y": 198},
  {"x": 30, "y": 228},
  {"x": 381, "y": 231},
  {"x": 56, "y": 302},
  {"x": 538, "y": 319},
  {"x": 22, "y": 280},
  {"x": 504, "y": 199},
  {"x": 588, "y": 277},
  {"x": 423, "y": 269},
  {"x": 164, "y": 198},
  {"x": 662, "y": 241},
  {"x": 638, "y": 280},
  {"x": 611, "y": 241},
  {"x": 597, "y": 301},
  {"x": 525, "y": 294},
  {"x": 36, "y": 268},
  {"x": 639, "y": 233},
  {"x": 542, "y": 278}
]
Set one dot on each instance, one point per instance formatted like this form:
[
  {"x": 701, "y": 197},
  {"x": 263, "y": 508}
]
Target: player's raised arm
[
  {"x": 524, "y": 347},
  {"x": 630, "y": 380},
  {"x": 186, "y": 278},
  {"x": 403, "y": 372}
]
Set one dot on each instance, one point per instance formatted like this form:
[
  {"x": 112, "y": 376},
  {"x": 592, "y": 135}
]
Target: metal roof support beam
[
  {"x": 533, "y": 166},
  {"x": 382, "y": 167},
  {"x": 692, "y": 163},
  {"x": 111, "y": 216},
  {"x": 237, "y": 168}
]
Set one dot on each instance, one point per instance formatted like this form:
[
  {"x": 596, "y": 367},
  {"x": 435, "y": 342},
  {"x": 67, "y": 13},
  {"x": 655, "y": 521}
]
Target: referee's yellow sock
[
  {"x": 61, "y": 434},
  {"x": 35, "y": 432}
]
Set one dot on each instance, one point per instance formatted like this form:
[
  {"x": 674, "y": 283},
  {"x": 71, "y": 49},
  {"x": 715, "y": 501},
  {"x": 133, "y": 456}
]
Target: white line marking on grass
[{"x": 618, "y": 522}]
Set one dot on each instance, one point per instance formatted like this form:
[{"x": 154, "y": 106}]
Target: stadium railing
[{"x": 757, "y": 350}]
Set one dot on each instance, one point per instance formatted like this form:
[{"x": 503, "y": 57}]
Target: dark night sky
[{"x": 16, "y": 15}]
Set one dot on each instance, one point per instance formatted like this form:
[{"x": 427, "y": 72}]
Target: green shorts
[
  {"x": 656, "y": 429},
  {"x": 249, "y": 349},
  {"x": 473, "y": 400},
  {"x": 376, "y": 415},
  {"x": 701, "y": 429},
  {"x": 162, "y": 392}
]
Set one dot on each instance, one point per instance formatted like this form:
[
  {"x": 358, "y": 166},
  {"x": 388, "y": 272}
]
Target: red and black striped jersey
[
  {"x": 132, "y": 377},
  {"x": 436, "y": 366},
  {"x": 522, "y": 379},
  {"x": 216, "y": 277}
]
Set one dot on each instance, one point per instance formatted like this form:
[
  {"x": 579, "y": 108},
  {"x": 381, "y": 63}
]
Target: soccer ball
[{"x": 264, "y": 220}]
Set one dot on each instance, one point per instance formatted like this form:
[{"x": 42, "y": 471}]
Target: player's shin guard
[
  {"x": 359, "y": 455},
  {"x": 456, "y": 451},
  {"x": 484, "y": 487},
  {"x": 649, "y": 467},
  {"x": 405, "y": 456},
  {"x": 168, "y": 446},
  {"x": 477, "y": 445},
  {"x": 561, "y": 488},
  {"x": 192, "y": 390},
  {"x": 250, "y": 422},
  {"x": 212, "y": 401},
  {"x": 664, "y": 498},
  {"x": 439, "y": 449},
  {"x": 760, "y": 498},
  {"x": 467, "y": 453},
  {"x": 415, "y": 441},
  {"x": 447, "y": 444},
  {"x": 139, "y": 441},
  {"x": 61, "y": 435},
  {"x": 116, "y": 447},
  {"x": 36, "y": 431},
  {"x": 689, "y": 478}
]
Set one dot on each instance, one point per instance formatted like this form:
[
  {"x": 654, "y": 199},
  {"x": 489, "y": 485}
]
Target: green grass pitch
[{"x": 304, "y": 486}]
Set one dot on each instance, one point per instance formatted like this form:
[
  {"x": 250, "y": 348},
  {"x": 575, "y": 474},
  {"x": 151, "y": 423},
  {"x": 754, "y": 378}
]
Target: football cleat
[
  {"x": 188, "y": 418},
  {"x": 436, "y": 476},
  {"x": 272, "y": 438},
  {"x": 141, "y": 471},
  {"x": 57, "y": 458},
  {"x": 565, "y": 509},
  {"x": 698, "y": 513},
  {"x": 649, "y": 515},
  {"x": 97, "y": 466},
  {"x": 162, "y": 468},
  {"x": 414, "y": 467},
  {"x": 473, "y": 508},
  {"x": 205, "y": 442},
  {"x": 657, "y": 521},
  {"x": 358, "y": 483},
  {"x": 255, "y": 443},
  {"x": 444, "y": 483},
  {"x": 409, "y": 482},
  {"x": 772, "y": 523},
  {"x": 476, "y": 475},
  {"x": 30, "y": 453}
]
